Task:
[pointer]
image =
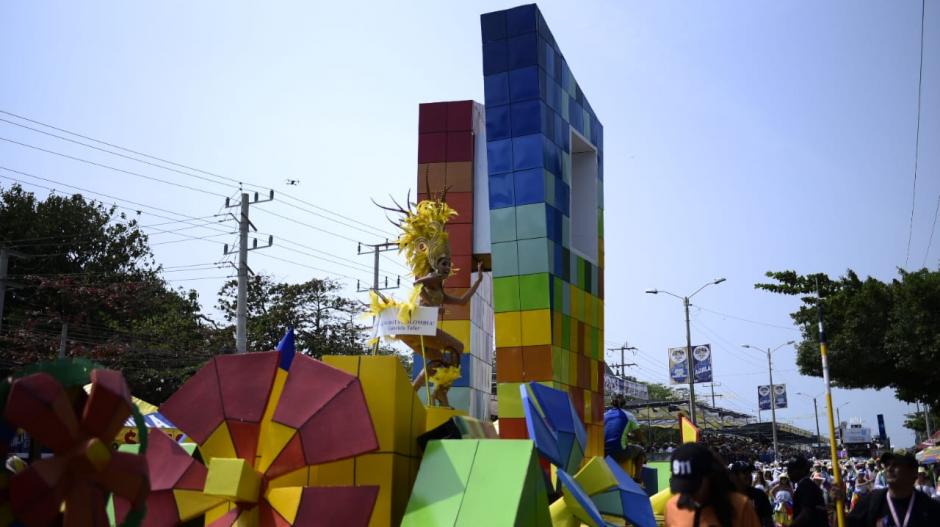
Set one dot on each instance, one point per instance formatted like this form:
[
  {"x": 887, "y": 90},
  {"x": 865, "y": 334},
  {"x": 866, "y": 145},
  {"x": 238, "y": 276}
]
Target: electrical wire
[
  {"x": 933, "y": 226},
  {"x": 742, "y": 319},
  {"x": 162, "y": 160},
  {"x": 109, "y": 167},
  {"x": 920, "y": 85}
]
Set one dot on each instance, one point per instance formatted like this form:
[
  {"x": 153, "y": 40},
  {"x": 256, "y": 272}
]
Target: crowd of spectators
[{"x": 732, "y": 448}]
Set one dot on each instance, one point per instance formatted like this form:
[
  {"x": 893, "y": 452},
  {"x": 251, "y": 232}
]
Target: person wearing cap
[
  {"x": 741, "y": 476},
  {"x": 898, "y": 505},
  {"x": 620, "y": 427},
  {"x": 704, "y": 495},
  {"x": 809, "y": 504},
  {"x": 923, "y": 484}
]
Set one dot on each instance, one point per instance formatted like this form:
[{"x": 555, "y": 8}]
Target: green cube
[
  {"x": 534, "y": 291},
  {"x": 505, "y": 259},
  {"x": 503, "y": 224},
  {"x": 506, "y": 294},
  {"x": 530, "y": 221},
  {"x": 533, "y": 256}
]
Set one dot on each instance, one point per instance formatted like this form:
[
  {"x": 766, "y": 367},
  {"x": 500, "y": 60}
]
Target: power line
[
  {"x": 742, "y": 319},
  {"x": 109, "y": 167},
  {"x": 113, "y": 153},
  {"x": 189, "y": 219},
  {"x": 329, "y": 273},
  {"x": 162, "y": 160},
  {"x": 932, "y": 227},
  {"x": 920, "y": 84},
  {"x": 116, "y": 146}
]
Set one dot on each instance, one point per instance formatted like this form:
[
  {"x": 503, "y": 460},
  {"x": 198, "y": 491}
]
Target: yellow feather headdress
[{"x": 423, "y": 239}]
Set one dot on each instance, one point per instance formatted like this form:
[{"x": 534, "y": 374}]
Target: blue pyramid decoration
[
  {"x": 286, "y": 350},
  {"x": 634, "y": 502},
  {"x": 554, "y": 425},
  {"x": 569, "y": 484}
]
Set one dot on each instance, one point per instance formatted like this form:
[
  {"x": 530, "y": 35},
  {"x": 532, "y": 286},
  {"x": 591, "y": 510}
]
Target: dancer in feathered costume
[{"x": 425, "y": 245}]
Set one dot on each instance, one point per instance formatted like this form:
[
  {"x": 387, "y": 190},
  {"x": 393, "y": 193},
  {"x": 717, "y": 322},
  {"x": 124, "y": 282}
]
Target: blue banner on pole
[
  {"x": 701, "y": 361},
  {"x": 780, "y": 396}
]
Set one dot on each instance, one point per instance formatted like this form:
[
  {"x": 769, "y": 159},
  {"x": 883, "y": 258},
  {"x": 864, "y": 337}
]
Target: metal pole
[
  {"x": 773, "y": 402},
  {"x": 927, "y": 420},
  {"x": 816, "y": 411},
  {"x": 63, "y": 339},
  {"x": 375, "y": 269},
  {"x": 241, "y": 325},
  {"x": 713, "y": 395},
  {"x": 688, "y": 361},
  {"x": 836, "y": 471},
  {"x": 4, "y": 259}
]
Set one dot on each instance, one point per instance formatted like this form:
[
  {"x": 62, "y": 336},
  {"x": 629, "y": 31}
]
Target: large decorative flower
[
  {"x": 261, "y": 420},
  {"x": 84, "y": 469}
]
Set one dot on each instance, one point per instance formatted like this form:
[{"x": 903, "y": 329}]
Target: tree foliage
[
  {"x": 86, "y": 265},
  {"x": 324, "y": 322},
  {"x": 880, "y": 334}
]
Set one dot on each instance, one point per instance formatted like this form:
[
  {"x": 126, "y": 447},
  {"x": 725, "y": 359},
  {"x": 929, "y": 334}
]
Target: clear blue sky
[{"x": 740, "y": 137}]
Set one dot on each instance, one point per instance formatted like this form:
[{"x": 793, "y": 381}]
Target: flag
[
  {"x": 286, "y": 349},
  {"x": 688, "y": 432}
]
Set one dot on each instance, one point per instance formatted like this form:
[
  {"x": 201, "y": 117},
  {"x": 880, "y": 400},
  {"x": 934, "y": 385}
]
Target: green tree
[
  {"x": 89, "y": 266},
  {"x": 880, "y": 334},
  {"x": 324, "y": 322},
  {"x": 661, "y": 392}
]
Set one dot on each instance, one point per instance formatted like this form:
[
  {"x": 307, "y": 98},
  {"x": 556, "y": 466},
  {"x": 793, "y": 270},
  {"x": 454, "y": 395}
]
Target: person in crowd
[
  {"x": 760, "y": 482},
  {"x": 860, "y": 490},
  {"x": 704, "y": 495},
  {"x": 809, "y": 505},
  {"x": 741, "y": 476},
  {"x": 900, "y": 504},
  {"x": 923, "y": 484},
  {"x": 620, "y": 439}
]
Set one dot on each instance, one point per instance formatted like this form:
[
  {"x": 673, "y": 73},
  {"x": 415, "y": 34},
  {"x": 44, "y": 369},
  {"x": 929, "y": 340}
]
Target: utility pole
[
  {"x": 927, "y": 420},
  {"x": 5, "y": 255},
  {"x": 623, "y": 364},
  {"x": 241, "y": 318},
  {"x": 63, "y": 339},
  {"x": 773, "y": 392},
  {"x": 376, "y": 250},
  {"x": 688, "y": 340},
  {"x": 712, "y": 386},
  {"x": 4, "y": 262}
]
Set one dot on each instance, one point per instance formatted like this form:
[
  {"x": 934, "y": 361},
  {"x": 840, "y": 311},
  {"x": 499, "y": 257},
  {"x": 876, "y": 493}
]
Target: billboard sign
[
  {"x": 613, "y": 384},
  {"x": 856, "y": 435},
  {"x": 701, "y": 361},
  {"x": 763, "y": 396}
]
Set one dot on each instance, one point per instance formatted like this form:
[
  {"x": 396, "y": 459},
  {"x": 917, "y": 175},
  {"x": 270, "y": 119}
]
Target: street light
[
  {"x": 688, "y": 340},
  {"x": 815, "y": 411},
  {"x": 773, "y": 394}
]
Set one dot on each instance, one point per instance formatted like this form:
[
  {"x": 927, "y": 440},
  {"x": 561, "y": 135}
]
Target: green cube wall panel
[
  {"x": 503, "y": 225},
  {"x": 473, "y": 482},
  {"x": 506, "y": 294},
  {"x": 534, "y": 291},
  {"x": 533, "y": 256},
  {"x": 505, "y": 259},
  {"x": 549, "y": 187},
  {"x": 530, "y": 221}
]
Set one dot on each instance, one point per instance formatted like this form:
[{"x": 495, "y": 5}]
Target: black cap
[
  {"x": 690, "y": 463},
  {"x": 901, "y": 459},
  {"x": 798, "y": 463}
]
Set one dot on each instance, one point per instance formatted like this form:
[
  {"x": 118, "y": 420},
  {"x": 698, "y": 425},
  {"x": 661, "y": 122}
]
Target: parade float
[{"x": 506, "y": 245}]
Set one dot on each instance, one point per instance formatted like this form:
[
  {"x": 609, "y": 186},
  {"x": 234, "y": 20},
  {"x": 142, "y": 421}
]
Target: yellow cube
[
  {"x": 508, "y": 329},
  {"x": 459, "y": 329},
  {"x": 233, "y": 479},
  {"x": 536, "y": 327},
  {"x": 509, "y": 400}
]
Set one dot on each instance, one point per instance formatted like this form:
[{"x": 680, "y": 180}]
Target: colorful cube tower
[
  {"x": 449, "y": 136},
  {"x": 545, "y": 189}
]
